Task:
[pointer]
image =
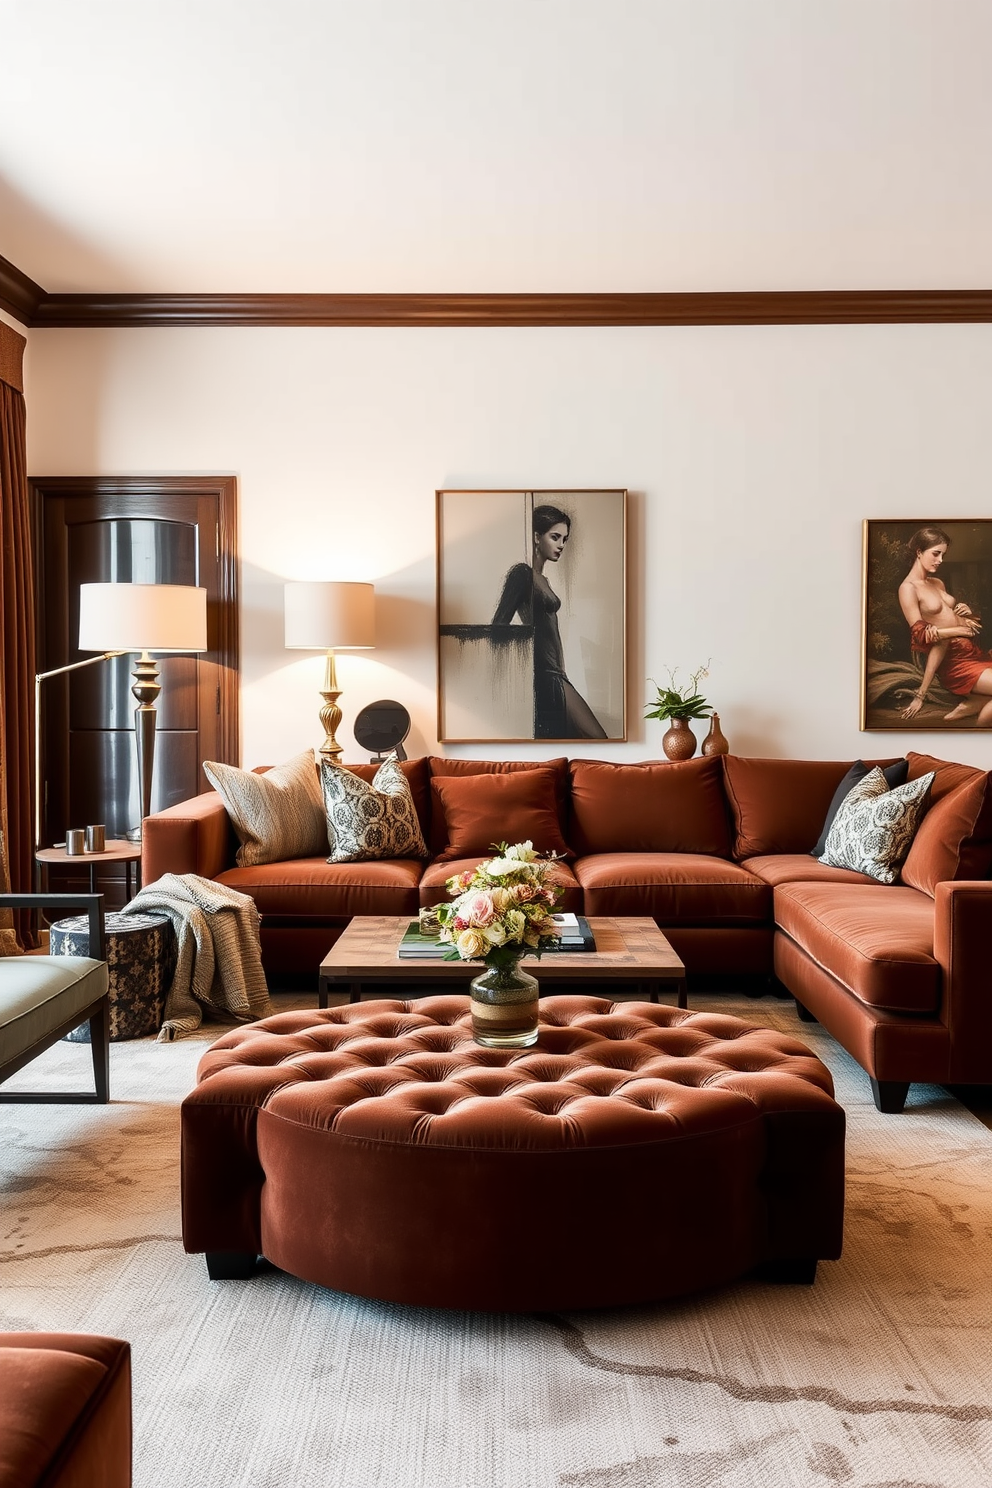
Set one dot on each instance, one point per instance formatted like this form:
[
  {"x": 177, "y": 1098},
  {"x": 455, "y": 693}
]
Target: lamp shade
[
  {"x": 142, "y": 617},
  {"x": 329, "y": 616}
]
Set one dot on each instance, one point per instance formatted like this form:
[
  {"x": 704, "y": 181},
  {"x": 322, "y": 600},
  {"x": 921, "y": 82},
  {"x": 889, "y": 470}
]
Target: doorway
[{"x": 166, "y": 530}]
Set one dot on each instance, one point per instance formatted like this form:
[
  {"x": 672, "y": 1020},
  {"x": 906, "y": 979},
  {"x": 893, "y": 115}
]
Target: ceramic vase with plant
[
  {"x": 679, "y": 704},
  {"x": 502, "y": 910}
]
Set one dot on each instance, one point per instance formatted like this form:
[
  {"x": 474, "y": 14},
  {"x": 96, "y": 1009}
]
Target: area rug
[{"x": 879, "y": 1376}]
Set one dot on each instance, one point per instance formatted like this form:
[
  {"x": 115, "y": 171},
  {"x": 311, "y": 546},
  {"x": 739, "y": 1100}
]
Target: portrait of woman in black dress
[{"x": 560, "y": 711}]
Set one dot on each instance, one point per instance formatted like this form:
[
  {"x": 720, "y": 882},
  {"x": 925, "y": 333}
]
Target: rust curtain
[{"x": 17, "y": 643}]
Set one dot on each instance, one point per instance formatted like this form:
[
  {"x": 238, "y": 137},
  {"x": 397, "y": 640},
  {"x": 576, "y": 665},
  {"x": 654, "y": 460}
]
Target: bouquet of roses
[{"x": 502, "y": 909}]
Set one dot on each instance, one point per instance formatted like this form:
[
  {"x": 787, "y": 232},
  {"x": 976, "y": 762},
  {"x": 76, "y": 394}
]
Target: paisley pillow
[
  {"x": 368, "y": 821},
  {"x": 874, "y": 826}
]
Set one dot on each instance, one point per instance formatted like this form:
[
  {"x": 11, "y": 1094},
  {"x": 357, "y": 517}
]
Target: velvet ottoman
[
  {"x": 635, "y": 1152},
  {"x": 65, "y": 1411}
]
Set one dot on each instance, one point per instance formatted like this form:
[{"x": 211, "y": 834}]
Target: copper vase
[
  {"x": 715, "y": 741},
  {"x": 678, "y": 741}
]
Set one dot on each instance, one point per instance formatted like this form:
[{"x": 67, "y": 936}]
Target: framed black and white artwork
[{"x": 531, "y": 605}]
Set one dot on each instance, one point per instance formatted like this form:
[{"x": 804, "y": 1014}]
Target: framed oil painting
[
  {"x": 926, "y": 662},
  {"x": 531, "y": 606}
]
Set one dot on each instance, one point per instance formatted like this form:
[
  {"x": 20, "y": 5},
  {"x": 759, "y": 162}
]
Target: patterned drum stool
[{"x": 141, "y": 959}]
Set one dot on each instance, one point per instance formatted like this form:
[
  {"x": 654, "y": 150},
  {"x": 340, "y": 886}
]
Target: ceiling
[{"x": 405, "y": 146}]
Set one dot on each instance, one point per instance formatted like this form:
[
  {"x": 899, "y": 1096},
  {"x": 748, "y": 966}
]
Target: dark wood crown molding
[
  {"x": 19, "y": 295},
  {"x": 34, "y": 308},
  {"x": 759, "y": 307}
]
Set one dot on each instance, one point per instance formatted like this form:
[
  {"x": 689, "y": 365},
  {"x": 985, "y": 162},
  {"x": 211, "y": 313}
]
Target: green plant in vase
[
  {"x": 680, "y": 704},
  {"x": 500, "y": 911}
]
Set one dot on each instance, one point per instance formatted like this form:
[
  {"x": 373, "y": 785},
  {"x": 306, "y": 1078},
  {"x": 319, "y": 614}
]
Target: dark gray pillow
[{"x": 894, "y": 775}]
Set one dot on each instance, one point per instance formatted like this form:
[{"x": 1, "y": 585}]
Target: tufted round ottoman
[{"x": 635, "y": 1152}]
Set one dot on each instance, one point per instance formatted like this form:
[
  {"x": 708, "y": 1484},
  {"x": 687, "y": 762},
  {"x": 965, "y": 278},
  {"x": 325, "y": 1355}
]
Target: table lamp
[
  {"x": 143, "y": 618},
  {"x": 329, "y": 616}
]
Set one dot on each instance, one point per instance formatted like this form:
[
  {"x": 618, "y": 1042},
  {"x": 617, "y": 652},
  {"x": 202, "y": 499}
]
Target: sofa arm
[
  {"x": 962, "y": 944},
  {"x": 195, "y": 836}
]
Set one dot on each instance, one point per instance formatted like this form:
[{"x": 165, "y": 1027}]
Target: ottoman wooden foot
[
  {"x": 230, "y": 1265},
  {"x": 889, "y": 1095},
  {"x": 794, "y": 1272}
]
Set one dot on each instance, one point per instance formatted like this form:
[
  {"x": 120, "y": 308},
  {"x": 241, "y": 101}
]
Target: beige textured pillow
[{"x": 277, "y": 815}]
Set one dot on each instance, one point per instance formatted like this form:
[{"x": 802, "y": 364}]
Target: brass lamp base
[{"x": 330, "y": 713}]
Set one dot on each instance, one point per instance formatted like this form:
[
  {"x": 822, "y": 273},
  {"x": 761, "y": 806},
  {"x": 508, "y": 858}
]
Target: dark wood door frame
[{"x": 223, "y": 610}]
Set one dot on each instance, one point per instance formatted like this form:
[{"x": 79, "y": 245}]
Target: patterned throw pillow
[
  {"x": 370, "y": 821},
  {"x": 874, "y": 826},
  {"x": 277, "y": 815}
]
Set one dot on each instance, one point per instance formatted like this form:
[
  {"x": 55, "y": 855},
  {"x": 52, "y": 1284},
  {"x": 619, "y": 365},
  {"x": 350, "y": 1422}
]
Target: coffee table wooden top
[{"x": 628, "y": 948}]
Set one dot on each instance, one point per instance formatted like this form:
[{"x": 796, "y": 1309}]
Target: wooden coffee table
[{"x": 631, "y": 954}]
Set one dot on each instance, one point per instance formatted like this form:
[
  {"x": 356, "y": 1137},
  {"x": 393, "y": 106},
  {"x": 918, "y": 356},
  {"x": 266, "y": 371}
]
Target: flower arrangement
[
  {"x": 502, "y": 909},
  {"x": 680, "y": 702}
]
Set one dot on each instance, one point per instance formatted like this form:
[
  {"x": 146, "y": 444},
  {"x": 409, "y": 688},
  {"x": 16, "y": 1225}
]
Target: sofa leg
[
  {"x": 798, "y": 1271},
  {"x": 805, "y": 1016},
  {"x": 889, "y": 1095},
  {"x": 230, "y": 1265}
]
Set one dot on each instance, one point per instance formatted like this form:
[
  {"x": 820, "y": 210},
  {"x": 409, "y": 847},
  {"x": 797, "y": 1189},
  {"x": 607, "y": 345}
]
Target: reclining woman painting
[
  {"x": 946, "y": 680},
  {"x": 943, "y": 630}
]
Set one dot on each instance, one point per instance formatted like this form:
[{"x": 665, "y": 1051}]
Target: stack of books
[{"x": 575, "y": 936}]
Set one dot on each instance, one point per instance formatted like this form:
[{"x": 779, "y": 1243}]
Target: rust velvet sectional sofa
[{"x": 718, "y": 852}]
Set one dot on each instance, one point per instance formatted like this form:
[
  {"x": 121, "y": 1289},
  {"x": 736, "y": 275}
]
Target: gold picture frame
[
  {"x": 925, "y": 663},
  {"x": 521, "y": 658}
]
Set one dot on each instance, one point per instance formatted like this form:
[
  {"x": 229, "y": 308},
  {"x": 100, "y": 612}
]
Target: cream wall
[{"x": 751, "y": 454}]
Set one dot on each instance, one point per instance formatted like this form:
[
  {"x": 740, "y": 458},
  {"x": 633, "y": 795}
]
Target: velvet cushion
[
  {"x": 441, "y": 766},
  {"x": 779, "y": 805},
  {"x": 674, "y": 889},
  {"x": 278, "y": 814},
  {"x": 876, "y": 941},
  {"x": 955, "y": 838},
  {"x": 370, "y": 820},
  {"x": 649, "y": 807},
  {"x": 432, "y": 884},
  {"x": 480, "y": 812},
  {"x": 314, "y": 887},
  {"x": 874, "y": 826},
  {"x": 894, "y": 775}
]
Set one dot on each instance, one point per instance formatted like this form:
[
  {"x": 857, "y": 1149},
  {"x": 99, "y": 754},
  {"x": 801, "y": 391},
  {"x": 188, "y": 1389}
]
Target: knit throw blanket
[{"x": 219, "y": 962}]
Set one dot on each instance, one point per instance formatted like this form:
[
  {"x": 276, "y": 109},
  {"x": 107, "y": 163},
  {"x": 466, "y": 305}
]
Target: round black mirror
[{"x": 381, "y": 728}]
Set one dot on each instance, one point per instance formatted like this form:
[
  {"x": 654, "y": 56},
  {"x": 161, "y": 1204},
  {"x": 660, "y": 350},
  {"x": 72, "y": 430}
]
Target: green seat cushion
[{"x": 40, "y": 993}]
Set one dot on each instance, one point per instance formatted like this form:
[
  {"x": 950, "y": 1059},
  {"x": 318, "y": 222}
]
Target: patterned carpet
[{"x": 880, "y": 1376}]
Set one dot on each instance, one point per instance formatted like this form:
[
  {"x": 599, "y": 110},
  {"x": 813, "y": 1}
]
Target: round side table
[
  {"x": 141, "y": 960},
  {"x": 128, "y": 853}
]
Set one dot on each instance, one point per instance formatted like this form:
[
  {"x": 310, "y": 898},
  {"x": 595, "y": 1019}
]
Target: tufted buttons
[{"x": 601, "y": 1073}]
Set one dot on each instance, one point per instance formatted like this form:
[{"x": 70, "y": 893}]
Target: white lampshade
[
  {"x": 328, "y": 616},
  {"x": 142, "y": 617}
]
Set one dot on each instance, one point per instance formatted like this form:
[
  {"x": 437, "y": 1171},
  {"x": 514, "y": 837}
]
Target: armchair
[{"x": 42, "y": 998}]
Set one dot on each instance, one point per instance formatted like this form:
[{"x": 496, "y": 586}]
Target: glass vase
[{"x": 505, "y": 1004}]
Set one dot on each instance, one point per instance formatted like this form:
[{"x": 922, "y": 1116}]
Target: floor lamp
[
  {"x": 143, "y": 618},
  {"x": 40, "y": 677},
  {"x": 329, "y": 616}
]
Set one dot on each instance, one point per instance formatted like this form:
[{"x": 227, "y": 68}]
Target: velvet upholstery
[
  {"x": 444, "y": 768},
  {"x": 675, "y": 888},
  {"x": 65, "y": 1411},
  {"x": 305, "y": 885},
  {"x": 717, "y": 1143},
  {"x": 519, "y": 806},
  {"x": 954, "y": 839},
  {"x": 654, "y": 807},
  {"x": 877, "y": 940}
]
